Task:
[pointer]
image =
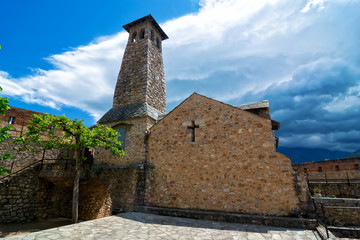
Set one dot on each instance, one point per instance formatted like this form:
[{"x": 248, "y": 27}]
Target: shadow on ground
[{"x": 12, "y": 229}]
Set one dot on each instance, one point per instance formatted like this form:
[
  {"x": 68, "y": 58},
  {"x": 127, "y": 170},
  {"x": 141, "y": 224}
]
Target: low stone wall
[
  {"x": 339, "y": 216},
  {"x": 340, "y": 190},
  {"x": 348, "y": 164},
  {"x": 350, "y": 176}
]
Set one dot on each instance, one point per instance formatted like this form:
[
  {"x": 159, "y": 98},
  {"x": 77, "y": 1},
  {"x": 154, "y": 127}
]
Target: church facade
[{"x": 204, "y": 154}]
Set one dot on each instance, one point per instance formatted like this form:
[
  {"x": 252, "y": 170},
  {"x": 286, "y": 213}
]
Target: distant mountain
[
  {"x": 300, "y": 155},
  {"x": 353, "y": 155}
]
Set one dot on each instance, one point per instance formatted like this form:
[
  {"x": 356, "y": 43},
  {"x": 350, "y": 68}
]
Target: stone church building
[{"x": 204, "y": 155}]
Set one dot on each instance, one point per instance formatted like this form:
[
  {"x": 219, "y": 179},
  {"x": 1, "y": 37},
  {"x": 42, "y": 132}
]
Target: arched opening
[
  {"x": 152, "y": 35},
  {"x": 133, "y": 37},
  {"x": 157, "y": 41},
  {"x": 142, "y": 34}
]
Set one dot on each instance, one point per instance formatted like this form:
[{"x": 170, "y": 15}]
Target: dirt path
[{"x": 12, "y": 229}]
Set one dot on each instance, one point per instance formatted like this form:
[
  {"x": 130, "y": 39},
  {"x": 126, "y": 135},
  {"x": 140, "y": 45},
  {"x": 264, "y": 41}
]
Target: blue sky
[{"x": 63, "y": 57}]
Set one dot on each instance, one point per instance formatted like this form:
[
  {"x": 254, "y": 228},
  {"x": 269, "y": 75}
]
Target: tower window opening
[
  {"x": 320, "y": 169},
  {"x": 152, "y": 35},
  {"x": 337, "y": 168},
  {"x": 305, "y": 170},
  {"x": 11, "y": 120},
  {"x": 142, "y": 34},
  {"x": 133, "y": 37},
  {"x": 157, "y": 41}
]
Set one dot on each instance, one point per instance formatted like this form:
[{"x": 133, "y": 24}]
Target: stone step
[{"x": 275, "y": 221}]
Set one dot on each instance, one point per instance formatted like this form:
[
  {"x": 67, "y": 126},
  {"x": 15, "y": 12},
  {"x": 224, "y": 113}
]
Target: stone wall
[
  {"x": 349, "y": 164},
  {"x": 120, "y": 183},
  {"x": 231, "y": 166},
  {"x": 26, "y": 158},
  {"x": 42, "y": 191},
  {"x": 156, "y": 77},
  {"x": 100, "y": 193},
  {"x": 24, "y": 198},
  {"x": 94, "y": 200},
  {"x": 302, "y": 191},
  {"x": 134, "y": 142},
  {"x": 340, "y": 216}
]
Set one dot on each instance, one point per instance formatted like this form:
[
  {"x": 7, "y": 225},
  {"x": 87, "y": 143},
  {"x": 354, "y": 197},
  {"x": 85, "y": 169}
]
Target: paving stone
[{"x": 147, "y": 226}]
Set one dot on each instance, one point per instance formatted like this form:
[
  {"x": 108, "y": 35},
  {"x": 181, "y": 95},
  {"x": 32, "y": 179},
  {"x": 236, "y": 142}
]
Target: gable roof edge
[{"x": 195, "y": 93}]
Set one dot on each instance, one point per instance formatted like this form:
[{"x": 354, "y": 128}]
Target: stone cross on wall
[{"x": 192, "y": 129}]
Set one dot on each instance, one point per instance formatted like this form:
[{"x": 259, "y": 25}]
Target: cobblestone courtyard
[{"x": 133, "y": 225}]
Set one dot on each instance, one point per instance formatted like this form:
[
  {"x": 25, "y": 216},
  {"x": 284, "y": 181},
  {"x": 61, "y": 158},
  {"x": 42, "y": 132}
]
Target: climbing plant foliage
[
  {"x": 50, "y": 132},
  {"x": 4, "y": 134}
]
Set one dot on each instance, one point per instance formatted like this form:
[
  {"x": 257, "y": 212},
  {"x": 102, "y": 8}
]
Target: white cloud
[
  {"x": 343, "y": 104},
  {"x": 318, "y": 4},
  {"x": 83, "y": 77}
]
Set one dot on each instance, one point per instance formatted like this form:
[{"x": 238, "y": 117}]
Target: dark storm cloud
[{"x": 317, "y": 106}]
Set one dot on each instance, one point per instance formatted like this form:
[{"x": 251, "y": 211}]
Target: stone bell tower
[
  {"x": 141, "y": 78},
  {"x": 140, "y": 89},
  {"x": 140, "y": 92}
]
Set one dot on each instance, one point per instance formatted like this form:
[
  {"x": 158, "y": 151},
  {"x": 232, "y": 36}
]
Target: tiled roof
[{"x": 130, "y": 111}]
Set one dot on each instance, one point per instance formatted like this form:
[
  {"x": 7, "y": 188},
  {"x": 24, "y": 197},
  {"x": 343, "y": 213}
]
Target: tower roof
[
  {"x": 150, "y": 19},
  {"x": 130, "y": 111}
]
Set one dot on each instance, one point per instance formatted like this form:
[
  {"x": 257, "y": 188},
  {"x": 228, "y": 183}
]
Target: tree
[
  {"x": 4, "y": 105},
  {"x": 51, "y": 132}
]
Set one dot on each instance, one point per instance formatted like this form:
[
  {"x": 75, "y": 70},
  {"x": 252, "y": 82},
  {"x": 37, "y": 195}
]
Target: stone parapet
[
  {"x": 351, "y": 175},
  {"x": 347, "y": 164}
]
